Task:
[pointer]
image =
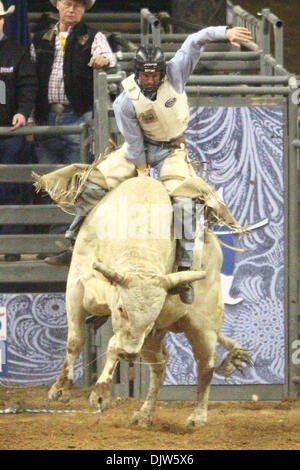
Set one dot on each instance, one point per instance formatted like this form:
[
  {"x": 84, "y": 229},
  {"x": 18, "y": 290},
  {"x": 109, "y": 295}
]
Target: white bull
[{"x": 122, "y": 265}]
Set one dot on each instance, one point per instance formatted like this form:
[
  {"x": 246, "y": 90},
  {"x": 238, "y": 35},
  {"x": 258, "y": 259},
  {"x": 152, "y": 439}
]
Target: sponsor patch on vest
[
  {"x": 148, "y": 117},
  {"x": 6, "y": 69},
  {"x": 170, "y": 102}
]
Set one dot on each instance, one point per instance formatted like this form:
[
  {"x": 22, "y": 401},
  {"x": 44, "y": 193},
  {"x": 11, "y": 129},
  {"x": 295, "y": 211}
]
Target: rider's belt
[
  {"x": 59, "y": 108},
  {"x": 168, "y": 145}
]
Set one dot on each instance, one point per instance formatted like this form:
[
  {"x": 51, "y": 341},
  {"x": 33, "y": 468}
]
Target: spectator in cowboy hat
[
  {"x": 18, "y": 87},
  {"x": 65, "y": 56}
]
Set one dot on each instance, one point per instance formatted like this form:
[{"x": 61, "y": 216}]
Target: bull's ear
[
  {"x": 176, "y": 279},
  {"x": 109, "y": 273}
]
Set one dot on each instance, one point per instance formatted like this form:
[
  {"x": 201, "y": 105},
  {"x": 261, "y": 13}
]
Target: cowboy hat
[
  {"x": 10, "y": 10},
  {"x": 88, "y": 3}
]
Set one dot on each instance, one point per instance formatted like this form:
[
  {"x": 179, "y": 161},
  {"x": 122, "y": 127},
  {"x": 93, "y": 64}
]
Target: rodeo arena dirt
[{"x": 52, "y": 402}]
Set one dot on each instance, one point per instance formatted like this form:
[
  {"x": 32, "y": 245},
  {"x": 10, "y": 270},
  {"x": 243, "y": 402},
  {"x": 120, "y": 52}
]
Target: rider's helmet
[{"x": 150, "y": 59}]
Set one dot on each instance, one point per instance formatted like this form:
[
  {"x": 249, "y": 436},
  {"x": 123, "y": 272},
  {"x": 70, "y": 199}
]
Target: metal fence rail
[
  {"x": 261, "y": 29},
  {"x": 106, "y": 22},
  {"x": 239, "y": 91},
  {"x": 150, "y": 28},
  {"x": 37, "y": 243}
]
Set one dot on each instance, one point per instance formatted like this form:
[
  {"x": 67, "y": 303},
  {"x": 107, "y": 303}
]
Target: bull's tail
[{"x": 238, "y": 358}]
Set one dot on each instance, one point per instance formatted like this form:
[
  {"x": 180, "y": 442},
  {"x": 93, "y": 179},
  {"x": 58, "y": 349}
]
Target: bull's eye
[{"x": 123, "y": 313}]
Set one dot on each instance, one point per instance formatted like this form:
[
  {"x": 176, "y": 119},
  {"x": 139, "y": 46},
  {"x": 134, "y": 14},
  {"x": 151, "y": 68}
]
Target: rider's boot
[
  {"x": 92, "y": 193},
  {"x": 64, "y": 257}
]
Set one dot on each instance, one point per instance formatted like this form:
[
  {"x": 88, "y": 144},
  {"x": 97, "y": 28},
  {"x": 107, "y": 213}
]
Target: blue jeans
[
  {"x": 61, "y": 149},
  {"x": 14, "y": 150}
]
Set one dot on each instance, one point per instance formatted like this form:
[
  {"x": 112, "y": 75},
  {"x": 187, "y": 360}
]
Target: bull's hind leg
[
  {"x": 204, "y": 345},
  {"x": 155, "y": 353},
  {"x": 76, "y": 338}
]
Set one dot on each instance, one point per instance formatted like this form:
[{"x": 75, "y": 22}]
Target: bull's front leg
[
  {"x": 155, "y": 353},
  {"x": 101, "y": 393},
  {"x": 204, "y": 345},
  {"x": 76, "y": 338}
]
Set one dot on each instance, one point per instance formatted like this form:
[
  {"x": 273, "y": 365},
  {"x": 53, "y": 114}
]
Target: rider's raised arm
[
  {"x": 180, "y": 67},
  {"x": 130, "y": 129}
]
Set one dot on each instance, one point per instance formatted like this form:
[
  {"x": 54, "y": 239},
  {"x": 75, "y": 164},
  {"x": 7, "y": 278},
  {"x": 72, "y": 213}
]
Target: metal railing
[
  {"x": 261, "y": 29},
  {"x": 150, "y": 28},
  {"x": 271, "y": 84},
  {"x": 105, "y": 22},
  {"x": 32, "y": 271}
]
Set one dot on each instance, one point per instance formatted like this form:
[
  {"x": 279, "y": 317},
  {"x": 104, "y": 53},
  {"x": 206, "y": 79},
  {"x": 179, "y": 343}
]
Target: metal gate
[{"x": 270, "y": 88}]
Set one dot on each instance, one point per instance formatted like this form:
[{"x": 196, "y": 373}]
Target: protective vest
[{"x": 163, "y": 119}]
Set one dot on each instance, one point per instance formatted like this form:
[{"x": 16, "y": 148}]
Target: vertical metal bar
[
  {"x": 137, "y": 379},
  {"x": 84, "y": 142},
  {"x": 123, "y": 388},
  {"x": 101, "y": 105},
  {"x": 292, "y": 222},
  {"x": 96, "y": 113},
  {"x": 156, "y": 35},
  {"x": 149, "y": 25},
  {"x": 234, "y": 18},
  {"x": 88, "y": 357},
  {"x": 144, "y": 30},
  {"x": 278, "y": 40},
  {"x": 265, "y": 42}
]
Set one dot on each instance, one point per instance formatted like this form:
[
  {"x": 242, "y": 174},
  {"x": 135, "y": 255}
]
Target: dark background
[
  {"x": 287, "y": 10},
  {"x": 106, "y": 5}
]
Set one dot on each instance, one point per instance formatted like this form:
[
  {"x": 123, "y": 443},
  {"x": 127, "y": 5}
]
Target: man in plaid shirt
[{"x": 65, "y": 56}]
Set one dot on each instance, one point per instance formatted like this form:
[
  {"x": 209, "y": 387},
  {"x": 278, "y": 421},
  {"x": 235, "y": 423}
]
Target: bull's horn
[
  {"x": 175, "y": 279},
  {"x": 109, "y": 273}
]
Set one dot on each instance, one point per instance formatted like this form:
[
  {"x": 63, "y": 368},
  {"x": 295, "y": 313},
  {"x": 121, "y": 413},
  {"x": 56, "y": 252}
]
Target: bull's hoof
[
  {"x": 196, "y": 420},
  {"x": 141, "y": 419},
  {"x": 59, "y": 394},
  {"x": 100, "y": 396}
]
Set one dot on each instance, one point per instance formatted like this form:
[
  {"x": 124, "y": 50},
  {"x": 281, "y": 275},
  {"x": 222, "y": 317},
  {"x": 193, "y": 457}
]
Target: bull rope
[{"x": 18, "y": 411}]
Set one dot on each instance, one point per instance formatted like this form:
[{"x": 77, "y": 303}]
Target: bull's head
[{"x": 137, "y": 301}]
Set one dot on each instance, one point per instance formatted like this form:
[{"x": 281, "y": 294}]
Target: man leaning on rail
[
  {"x": 65, "y": 56},
  {"x": 152, "y": 113}
]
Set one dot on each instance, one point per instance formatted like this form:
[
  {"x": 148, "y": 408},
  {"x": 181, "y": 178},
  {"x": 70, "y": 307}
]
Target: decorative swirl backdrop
[
  {"x": 244, "y": 148},
  {"x": 37, "y": 334}
]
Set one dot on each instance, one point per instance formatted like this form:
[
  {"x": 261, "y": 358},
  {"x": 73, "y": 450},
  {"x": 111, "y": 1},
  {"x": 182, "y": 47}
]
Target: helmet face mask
[{"x": 149, "y": 60}]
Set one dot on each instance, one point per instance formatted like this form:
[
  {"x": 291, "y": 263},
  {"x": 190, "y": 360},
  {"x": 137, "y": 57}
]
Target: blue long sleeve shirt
[{"x": 178, "y": 70}]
